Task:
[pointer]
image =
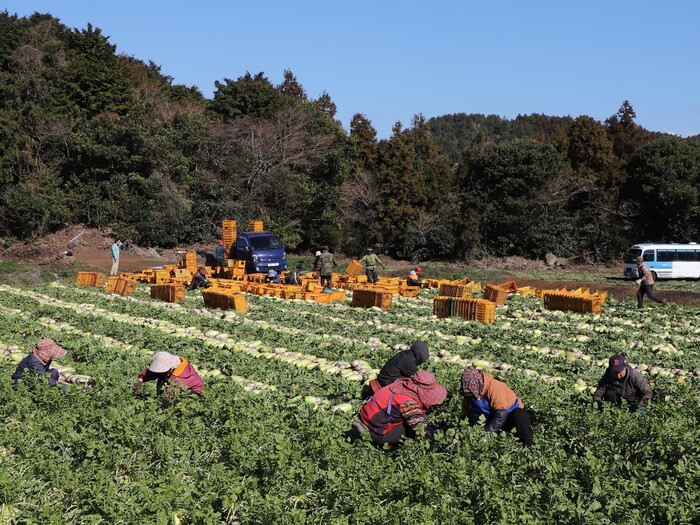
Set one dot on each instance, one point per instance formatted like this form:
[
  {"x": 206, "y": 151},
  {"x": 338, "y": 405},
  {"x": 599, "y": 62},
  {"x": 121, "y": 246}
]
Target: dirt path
[{"x": 626, "y": 292}]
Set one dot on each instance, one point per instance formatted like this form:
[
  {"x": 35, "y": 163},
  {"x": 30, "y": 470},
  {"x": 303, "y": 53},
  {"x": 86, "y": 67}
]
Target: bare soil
[{"x": 89, "y": 248}]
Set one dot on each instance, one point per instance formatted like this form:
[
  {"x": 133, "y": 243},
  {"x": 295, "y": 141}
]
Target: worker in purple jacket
[{"x": 169, "y": 369}]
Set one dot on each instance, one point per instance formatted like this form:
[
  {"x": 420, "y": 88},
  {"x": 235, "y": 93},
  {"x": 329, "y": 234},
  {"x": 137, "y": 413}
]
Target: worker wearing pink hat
[{"x": 39, "y": 362}]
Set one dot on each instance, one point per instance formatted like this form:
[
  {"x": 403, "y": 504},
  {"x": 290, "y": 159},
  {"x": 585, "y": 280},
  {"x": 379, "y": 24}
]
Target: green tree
[
  {"x": 665, "y": 183},
  {"x": 502, "y": 196},
  {"x": 248, "y": 96}
]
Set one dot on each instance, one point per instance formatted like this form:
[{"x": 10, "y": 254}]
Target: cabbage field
[{"x": 265, "y": 442}]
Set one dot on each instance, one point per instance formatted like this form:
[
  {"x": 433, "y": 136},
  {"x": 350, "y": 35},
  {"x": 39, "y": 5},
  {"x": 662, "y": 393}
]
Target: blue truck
[{"x": 262, "y": 251}]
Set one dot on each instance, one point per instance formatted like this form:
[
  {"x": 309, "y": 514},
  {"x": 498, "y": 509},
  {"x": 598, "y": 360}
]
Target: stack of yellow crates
[
  {"x": 91, "y": 279},
  {"x": 472, "y": 309},
  {"x": 256, "y": 226},
  {"x": 366, "y": 298},
  {"x": 228, "y": 235},
  {"x": 170, "y": 293}
]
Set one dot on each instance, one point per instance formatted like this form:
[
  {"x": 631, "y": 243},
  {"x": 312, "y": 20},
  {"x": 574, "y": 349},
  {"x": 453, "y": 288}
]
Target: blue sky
[{"x": 393, "y": 59}]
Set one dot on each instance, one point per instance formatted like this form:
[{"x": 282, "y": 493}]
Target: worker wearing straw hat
[{"x": 166, "y": 368}]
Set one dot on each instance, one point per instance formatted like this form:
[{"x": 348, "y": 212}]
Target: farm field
[{"x": 265, "y": 442}]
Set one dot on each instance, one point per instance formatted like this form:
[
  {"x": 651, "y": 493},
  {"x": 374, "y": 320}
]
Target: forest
[{"x": 90, "y": 136}]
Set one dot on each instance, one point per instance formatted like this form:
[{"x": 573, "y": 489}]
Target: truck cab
[{"x": 262, "y": 251}]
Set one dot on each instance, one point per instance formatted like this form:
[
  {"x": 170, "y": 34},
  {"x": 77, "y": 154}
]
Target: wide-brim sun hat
[{"x": 163, "y": 361}]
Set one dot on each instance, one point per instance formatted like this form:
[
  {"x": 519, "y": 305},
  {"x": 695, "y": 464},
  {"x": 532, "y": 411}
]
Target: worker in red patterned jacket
[
  {"x": 400, "y": 409},
  {"x": 167, "y": 368}
]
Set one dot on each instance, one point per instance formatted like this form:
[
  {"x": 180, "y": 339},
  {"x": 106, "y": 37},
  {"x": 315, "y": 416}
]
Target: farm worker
[
  {"x": 399, "y": 409},
  {"x": 621, "y": 381},
  {"x": 273, "y": 277},
  {"x": 415, "y": 277},
  {"x": 220, "y": 257},
  {"x": 116, "y": 251},
  {"x": 317, "y": 256},
  {"x": 402, "y": 364},
  {"x": 326, "y": 263},
  {"x": 168, "y": 368},
  {"x": 646, "y": 284},
  {"x": 199, "y": 279},
  {"x": 39, "y": 362},
  {"x": 482, "y": 394},
  {"x": 293, "y": 276},
  {"x": 371, "y": 261}
]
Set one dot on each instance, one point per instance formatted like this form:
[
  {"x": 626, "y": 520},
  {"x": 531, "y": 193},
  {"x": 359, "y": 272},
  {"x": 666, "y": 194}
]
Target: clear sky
[{"x": 393, "y": 59}]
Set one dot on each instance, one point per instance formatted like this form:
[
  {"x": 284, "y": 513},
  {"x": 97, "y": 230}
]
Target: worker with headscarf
[
  {"x": 415, "y": 277},
  {"x": 199, "y": 279},
  {"x": 39, "y": 362},
  {"x": 399, "y": 409},
  {"x": 483, "y": 395}
]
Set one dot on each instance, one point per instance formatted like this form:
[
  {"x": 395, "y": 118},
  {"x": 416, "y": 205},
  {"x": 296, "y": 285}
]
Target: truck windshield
[
  {"x": 631, "y": 255},
  {"x": 266, "y": 243}
]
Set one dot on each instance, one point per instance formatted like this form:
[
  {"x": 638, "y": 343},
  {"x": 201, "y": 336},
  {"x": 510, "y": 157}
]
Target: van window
[
  {"x": 648, "y": 256},
  {"x": 266, "y": 243}
]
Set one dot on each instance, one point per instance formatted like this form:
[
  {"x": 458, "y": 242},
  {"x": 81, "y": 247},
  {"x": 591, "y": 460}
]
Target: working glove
[
  {"x": 601, "y": 406},
  {"x": 137, "y": 386},
  {"x": 638, "y": 281},
  {"x": 642, "y": 411}
]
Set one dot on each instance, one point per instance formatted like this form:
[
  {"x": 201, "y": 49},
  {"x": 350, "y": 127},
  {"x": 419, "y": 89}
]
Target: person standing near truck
[
  {"x": 220, "y": 258},
  {"x": 646, "y": 284},
  {"x": 116, "y": 252},
  {"x": 371, "y": 261},
  {"x": 326, "y": 263}
]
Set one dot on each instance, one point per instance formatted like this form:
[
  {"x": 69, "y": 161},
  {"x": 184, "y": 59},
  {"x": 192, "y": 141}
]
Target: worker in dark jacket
[
  {"x": 403, "y": 364},
  {"x": 293, "y": 276},
  {"x": 621, "y": 381},
  {"x": 39, "y": 362},
  {"x": 273, "y": 277},
  {"x": 220, "y": 258},
  {"x": 482, "y": 394},
  {"x": 399, "y": 409}
]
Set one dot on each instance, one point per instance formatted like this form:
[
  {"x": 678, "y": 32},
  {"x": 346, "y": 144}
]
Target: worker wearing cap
[
  {"x": 371, "y": 261},
  {"x": 415, "y": 277},
  {"x": 273, "y": 277},
  {"x": 646, "y": 284},
  {"x": 168, "y": 368},
  {"x": 39, "y": 362},
  {"x": 220, "y": 257},
  {"x": 621, "y": 381}
]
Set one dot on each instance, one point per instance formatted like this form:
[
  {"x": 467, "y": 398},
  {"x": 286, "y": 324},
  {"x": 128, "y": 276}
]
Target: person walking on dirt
[
  {"x": 220, "y": 258},
  {"x": 326, "y": 263},
  {"x": 399, "y": 409},
  {"x": 370, "y": 260},
  {"x": 483, "y": 395},
  {"x": 116, "y": 251},
  {"x": 646, "y": 284},
  {"x": 166, "y": 368},
  {"x": 39, "y": 362},
  {"x": 621, "y": 381}
]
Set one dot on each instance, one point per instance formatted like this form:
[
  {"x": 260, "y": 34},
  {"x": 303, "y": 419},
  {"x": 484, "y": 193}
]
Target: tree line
[{"x": 94, "y": 137}]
